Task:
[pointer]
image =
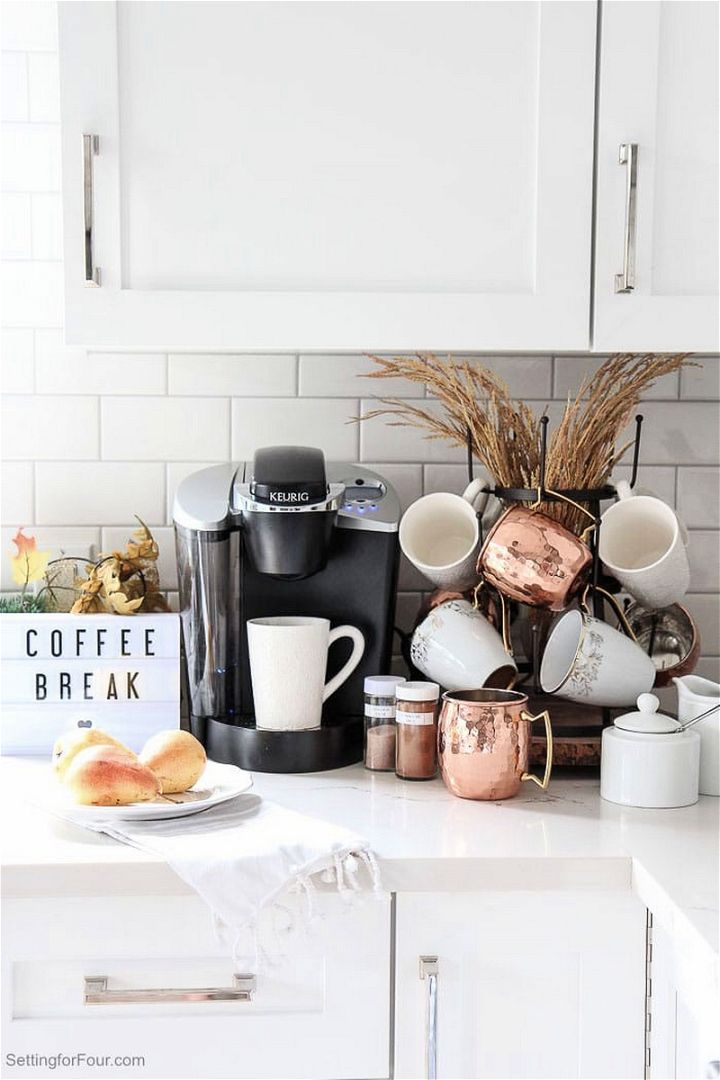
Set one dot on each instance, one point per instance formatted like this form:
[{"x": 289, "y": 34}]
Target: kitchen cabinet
[
  {"x": 350, "y": 176},
  {"x": 321, "y": 1010},
  {"x": 537, "y": 984},
  {"x": 658, "y": 97},
  {"x": 684, "y": 1008}
]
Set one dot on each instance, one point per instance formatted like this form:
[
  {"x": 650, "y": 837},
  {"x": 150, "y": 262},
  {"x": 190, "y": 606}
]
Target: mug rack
[
  {"x": 529, "y": 669},
  {"x": 590, "y": 496}
]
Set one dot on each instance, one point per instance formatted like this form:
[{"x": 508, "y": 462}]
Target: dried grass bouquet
[{"x": 505, "y": 433}]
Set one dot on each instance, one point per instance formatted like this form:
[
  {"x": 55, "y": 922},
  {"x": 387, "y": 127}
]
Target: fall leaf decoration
[
  {"x": 29, "y": 564},
  {"x": 123, "y": 582}
]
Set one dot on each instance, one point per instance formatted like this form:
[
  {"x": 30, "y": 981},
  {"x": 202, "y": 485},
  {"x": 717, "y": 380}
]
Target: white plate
[{"x": 216, "y": 785}]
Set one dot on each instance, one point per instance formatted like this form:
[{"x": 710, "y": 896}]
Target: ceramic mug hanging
[{"x": 590, "y": 662}]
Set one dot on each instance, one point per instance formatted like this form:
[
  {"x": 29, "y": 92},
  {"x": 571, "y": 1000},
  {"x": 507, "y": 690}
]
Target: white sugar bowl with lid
[{"x": 646, "y": 760}]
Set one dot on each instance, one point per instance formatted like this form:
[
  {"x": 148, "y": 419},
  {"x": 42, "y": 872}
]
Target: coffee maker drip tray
[{"x": 338, "y": 742}]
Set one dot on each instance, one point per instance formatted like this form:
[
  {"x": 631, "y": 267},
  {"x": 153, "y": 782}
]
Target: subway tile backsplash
[
  {"x": 162, "y": 428},
  {"x": 257, "y": 376},
  {"x": 89, "y": 440},
  {"x": 98, "y": 492}
]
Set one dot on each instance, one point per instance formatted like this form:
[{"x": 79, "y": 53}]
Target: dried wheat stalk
[{"x": 505, "y": 433}]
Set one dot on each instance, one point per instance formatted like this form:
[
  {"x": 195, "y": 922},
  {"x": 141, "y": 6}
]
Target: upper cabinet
[
  {"x": 656, "y": 272},
  {"x": 355, "y": 176},
  {"x": 390, "y": 176}
]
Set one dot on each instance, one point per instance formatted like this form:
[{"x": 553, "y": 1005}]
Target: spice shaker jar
[
  {"x": 416, "y": 751},
  {"x": 379, "y": 754}
]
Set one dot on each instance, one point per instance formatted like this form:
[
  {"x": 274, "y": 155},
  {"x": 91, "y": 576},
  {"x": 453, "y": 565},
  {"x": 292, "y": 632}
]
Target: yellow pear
[
  {"x": 176, "y": 758},
  {"x": 105, "y": 776},
  {"x": 72, "y": 742}
]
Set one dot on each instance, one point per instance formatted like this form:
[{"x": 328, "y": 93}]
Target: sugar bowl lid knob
[{"x": 647, "y": 720}]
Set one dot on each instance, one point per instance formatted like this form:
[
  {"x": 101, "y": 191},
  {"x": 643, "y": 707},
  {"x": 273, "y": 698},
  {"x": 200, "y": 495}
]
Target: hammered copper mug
[
  {"x": 484, "y": 743},
  {"x": 534, "y": 559}
]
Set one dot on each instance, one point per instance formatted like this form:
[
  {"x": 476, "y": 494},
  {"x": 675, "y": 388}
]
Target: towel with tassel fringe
[{"x": 246, "y": 858}]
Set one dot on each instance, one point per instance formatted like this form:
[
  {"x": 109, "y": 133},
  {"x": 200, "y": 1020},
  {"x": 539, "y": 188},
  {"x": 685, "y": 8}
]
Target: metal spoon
[{"x": 695, "y": 720}]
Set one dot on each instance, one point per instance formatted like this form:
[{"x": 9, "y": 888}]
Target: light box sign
[{"x": 118, "y": 673}]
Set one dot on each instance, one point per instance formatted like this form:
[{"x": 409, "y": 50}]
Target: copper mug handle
[
  {"x": 507, "y": 643},
  {"x": 571, "y": 502},
  {"x": 544, "y": 715}
]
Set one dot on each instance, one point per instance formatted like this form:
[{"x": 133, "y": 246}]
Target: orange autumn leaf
[{"x": 29, "y": 564}]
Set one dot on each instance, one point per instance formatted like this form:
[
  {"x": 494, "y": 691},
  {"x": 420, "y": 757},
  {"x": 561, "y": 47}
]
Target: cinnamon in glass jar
[{"x": 416, "y": 718}]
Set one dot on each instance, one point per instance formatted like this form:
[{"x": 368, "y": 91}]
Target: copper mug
[
  {"x": 484, "y": 743},
  {"x": 534, "y": 559}
]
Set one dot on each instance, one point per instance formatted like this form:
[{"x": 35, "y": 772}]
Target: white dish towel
[{"x": 244, "y": 856}]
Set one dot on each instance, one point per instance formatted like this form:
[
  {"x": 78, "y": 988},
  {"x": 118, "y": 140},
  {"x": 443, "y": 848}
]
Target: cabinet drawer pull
[
  {"x": 429, "y": 971},
  {"x": 91, "y": 147},
  {"x": 628, "y": 156},
  {"x": 97, "y": 993}
]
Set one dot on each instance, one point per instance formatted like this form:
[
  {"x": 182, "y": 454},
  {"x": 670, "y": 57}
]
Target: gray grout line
[
  {"x": 306, "y": 397},
  {"x": 27, "y": 85}
]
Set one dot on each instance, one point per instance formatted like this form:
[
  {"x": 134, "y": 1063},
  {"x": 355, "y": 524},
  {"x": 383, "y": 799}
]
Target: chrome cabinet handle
[
  {"x": 91, "y": 147},
  {"x": 628, "y": 156},
  {"x": 429, "y": 971},
  {"x": 97, "y": 993}
]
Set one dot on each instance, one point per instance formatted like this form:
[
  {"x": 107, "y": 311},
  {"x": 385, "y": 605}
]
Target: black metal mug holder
[
  {"x": 530, "y": 668},
  {"x": 590, "y": 496}
]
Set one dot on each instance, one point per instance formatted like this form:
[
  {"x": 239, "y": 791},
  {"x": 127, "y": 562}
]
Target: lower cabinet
[
  {"x": 684, "y": 1010},
  {"x": 321, "y": 1011},
  {"x": 526, "y": 985},
  {"x": 495, "y": 984}
]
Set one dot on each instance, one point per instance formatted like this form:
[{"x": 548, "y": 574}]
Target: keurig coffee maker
[{"x": 283, "y": 535}]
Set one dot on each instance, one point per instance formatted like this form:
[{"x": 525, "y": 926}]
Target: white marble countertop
[{"x": 425, "y": 839}]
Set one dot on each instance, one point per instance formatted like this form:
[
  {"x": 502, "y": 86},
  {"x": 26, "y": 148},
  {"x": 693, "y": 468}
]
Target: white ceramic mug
[
  {"x": 643, "y": 545},
  {"x": 456, "y": 646},
  {"x": 440, "y": 535},
  {"x": 288, "y": 659},
  {"x": 695, "y": 696},
  {"x": 590, "y": 662}
]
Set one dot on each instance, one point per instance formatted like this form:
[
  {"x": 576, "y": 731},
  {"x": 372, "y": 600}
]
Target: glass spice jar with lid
[
  {"x": 379, "y": 754},
  {"x": 416, "y": 716}
]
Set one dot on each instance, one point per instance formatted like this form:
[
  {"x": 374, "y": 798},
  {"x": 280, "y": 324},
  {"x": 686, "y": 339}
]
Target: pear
[
  {"x": 107, "y": 776},
  {"x": 72, "y": 742},
  {"x": 177, "y": 758}
]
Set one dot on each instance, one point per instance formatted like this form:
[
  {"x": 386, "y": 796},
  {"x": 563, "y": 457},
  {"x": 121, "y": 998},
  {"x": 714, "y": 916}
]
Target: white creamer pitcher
[{"x": 695, "y": 695}]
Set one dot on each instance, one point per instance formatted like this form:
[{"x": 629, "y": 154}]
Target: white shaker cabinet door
[
  {"x": 658, "y": 98},
  {"x": 319, "y": 1009},
  {"x": 330, "y": 176},
  {"x": 528, "y": 985}
]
